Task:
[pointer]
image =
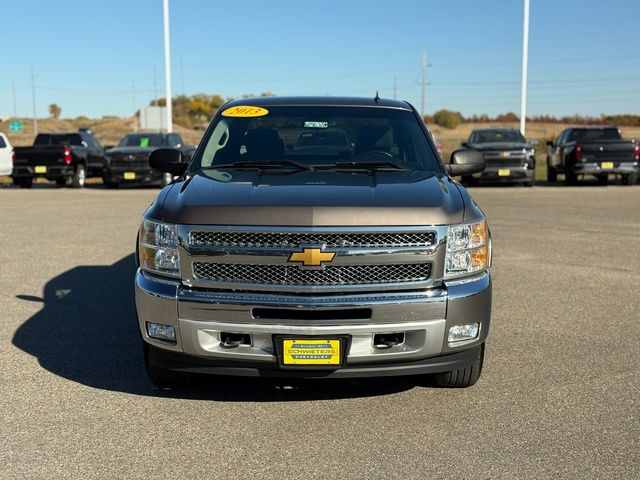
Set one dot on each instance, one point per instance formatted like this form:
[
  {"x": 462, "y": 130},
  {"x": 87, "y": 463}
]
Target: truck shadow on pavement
[{"x": 87, "y": 332}]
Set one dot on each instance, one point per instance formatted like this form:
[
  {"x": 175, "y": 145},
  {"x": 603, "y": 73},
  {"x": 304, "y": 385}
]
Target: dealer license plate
[
  {"x": 311, "y": 352},
  {"x": 129, "y": 175},
  {"x": 606, "y": 165},
  {"x": 41, "y": 169},
  {"x": 504, "y": 172}
]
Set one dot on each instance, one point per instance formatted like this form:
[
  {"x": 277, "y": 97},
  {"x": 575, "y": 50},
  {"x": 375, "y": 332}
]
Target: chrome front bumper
[
  {"x": 517, "y": 173},
  {"x": 424, "y": 317}
]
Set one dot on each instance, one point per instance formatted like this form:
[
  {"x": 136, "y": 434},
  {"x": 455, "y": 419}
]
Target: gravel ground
[{"x": 558, "y": 397}]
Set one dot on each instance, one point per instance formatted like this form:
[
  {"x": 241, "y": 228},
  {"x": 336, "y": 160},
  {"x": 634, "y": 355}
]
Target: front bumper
[
  {"x": 424, "y": 317},
  {"x": 622, "y": 168},
  {"x": 117, "y": 175},
  {"x": 516, "y": 174}
]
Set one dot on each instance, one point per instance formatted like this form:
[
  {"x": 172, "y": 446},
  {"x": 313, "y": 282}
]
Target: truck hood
[
  {"x": 499, "y": 146},
  {"x": 314, "y": 199},
  {"x": 130, "y": 150}
]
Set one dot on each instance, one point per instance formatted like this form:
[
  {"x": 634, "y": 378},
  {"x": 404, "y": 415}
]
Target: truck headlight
[
  {"x": 159, "y": 248},
  {"x": 468, "y": 249}
]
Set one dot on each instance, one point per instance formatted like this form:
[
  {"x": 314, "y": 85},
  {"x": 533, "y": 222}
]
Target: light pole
[
  {"x": 525, "y": 61},
  {"x": 167, "y": 66}
]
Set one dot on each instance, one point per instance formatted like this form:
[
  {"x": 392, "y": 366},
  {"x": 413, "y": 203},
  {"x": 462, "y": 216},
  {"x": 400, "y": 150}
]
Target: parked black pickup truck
[
  {"x": 129, "y": 161},
  {"x": 508, "y": 156},
  {"x": 66, "y": 158},
  {"x": 598, "y": 151}
]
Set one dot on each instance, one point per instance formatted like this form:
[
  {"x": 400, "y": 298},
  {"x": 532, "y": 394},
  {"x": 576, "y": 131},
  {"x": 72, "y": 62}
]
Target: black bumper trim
[{"x": 182, "y": 362}]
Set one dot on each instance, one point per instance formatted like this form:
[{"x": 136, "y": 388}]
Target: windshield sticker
[
  {"x": 144, "y": 142},
  {"x": 316, "y": 124},
  {"x": 245, "y": 111}
]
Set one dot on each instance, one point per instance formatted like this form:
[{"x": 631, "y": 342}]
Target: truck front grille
[
  {"x": 330, "y": 275},
  {"x": 295, "y": 239}
]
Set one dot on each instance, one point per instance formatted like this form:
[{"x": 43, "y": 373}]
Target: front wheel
[
  {"x": 162, "y": 377},
  {"x": 167, "y": 178},
  {"x": 630, "y": 179},
  {"x": 463, "y": 377},
  {"x": 79, "y": 177},
  {"x": 552, "y": 175}
]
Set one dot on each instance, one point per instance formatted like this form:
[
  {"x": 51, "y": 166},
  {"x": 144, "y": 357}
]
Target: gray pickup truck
[{"x": 355, "y": 258}]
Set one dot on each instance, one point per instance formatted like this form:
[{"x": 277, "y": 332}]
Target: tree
[
  {"x": 55, "y": 110},
  {"x": 447, "y": 118}
]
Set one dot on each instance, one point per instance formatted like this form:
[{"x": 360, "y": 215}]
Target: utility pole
[
  {"x": 423, "y": 82},
  {"x": 33, "y": 99},
  {"x": 167, "y": 65},
  {"x": 181, "y": 76},
  {"x": 525, "y": 61},
  {"x": 155, "y": 84},
  {"x": 13, "y": 93},
  {"x": 395, "y": 88},
  {"x": 133, "y": 104}
]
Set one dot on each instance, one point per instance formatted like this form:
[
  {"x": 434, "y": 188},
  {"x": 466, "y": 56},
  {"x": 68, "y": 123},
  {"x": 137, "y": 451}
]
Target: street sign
[{"x": 15, "y": 126}]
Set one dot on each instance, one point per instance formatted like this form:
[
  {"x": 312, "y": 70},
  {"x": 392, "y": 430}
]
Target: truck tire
[
  {"x": 630, "y": 179},
  {"x": 463, "y": 377},
  {"x": 167, "y": 178},
  {"x": 603, "y": 180},
  {"x": 163, "y": 377},
  {"x": 552, "y": 174},
  {"x": 23, "y": 182},
  {"x": 570, "y": 178},
  {"x": 79, "y": 177}
]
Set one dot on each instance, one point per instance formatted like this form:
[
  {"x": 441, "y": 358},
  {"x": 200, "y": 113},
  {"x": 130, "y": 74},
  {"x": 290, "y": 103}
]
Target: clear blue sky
[{"x": 584, "y": 54}]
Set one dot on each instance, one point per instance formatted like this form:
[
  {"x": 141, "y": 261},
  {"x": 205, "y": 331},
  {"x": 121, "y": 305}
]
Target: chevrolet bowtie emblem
[{"x": 312, "y": 257}]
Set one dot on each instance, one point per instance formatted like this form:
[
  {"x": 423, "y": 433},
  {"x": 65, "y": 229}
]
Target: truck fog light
[
  {"x": 163, "y": 332},
  {"x": 457, "y": 333}
]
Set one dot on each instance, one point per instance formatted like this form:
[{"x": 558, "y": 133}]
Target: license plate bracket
[
  {"x": 41, "y": 169},
  {"x": 315, "y": 348},
  {"x": 606, "y": 165},
  {"x": 129, "y": 175},
  {"x": 504, "y": 172}
]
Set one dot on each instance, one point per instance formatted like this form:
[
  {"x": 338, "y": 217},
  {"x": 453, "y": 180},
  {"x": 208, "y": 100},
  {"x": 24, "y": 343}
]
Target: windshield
[
  {"x": 497, "y": 136},
  {"x": 143, "y": 140},
  {"x": 320, "y": 137},
  {"x": 594, "y": 134},
  {"x": 63, "y": 139}
]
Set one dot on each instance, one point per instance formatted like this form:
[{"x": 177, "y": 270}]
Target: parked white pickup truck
[{"x": 6, "y": 155}]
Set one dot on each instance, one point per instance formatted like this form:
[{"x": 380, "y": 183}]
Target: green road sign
[{"x": 15, "y": 126}]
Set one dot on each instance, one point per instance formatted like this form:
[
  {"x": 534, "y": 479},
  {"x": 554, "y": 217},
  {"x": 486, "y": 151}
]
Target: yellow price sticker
[{"x": 245, "y": 111}]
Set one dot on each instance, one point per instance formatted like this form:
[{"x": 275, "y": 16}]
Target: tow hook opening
[
  {"x": 388, "y": 340},
  {"x": 233, "y": 340}
]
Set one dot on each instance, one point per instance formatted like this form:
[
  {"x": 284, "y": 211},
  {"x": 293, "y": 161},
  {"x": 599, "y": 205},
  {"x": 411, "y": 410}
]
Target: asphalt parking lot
[{"x": 559, "y": 396}]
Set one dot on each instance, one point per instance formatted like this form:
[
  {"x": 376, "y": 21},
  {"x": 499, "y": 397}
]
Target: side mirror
[
  {"x": 550, "y": 143},
  {"x": 464, "y": 144},
  {"x": 167, "y": 160},
  {"x": 466, "y": 162}
]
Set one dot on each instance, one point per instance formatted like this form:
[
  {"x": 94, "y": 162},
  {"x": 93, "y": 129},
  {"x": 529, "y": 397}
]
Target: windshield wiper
[
  {"x": 265, "y": 165},
  {"x": 368, "y": 165}
]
